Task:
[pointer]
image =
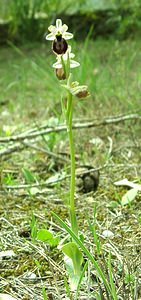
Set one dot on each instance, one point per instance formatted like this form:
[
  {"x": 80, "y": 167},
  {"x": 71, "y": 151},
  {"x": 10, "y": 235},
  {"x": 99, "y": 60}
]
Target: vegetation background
[{"x": 29, "y": 19}]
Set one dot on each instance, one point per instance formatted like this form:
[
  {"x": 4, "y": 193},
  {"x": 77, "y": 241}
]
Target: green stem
[
  {"x": 72, "y": 153},
  {"x": 69, "y": 113}
]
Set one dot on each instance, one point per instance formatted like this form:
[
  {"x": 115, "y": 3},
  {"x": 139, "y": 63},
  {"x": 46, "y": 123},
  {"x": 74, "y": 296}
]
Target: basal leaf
[
  {"x": 129, "y": 196},
  {"x": 72, "y": 251},
  {"x": 44, "y": 235}
]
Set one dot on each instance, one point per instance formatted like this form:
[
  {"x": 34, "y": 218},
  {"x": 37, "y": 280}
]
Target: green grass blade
[
  {"x": 45, "y": 297},
  {"x": 113, "y": 289},
  {"x": 80, "y": 280}
]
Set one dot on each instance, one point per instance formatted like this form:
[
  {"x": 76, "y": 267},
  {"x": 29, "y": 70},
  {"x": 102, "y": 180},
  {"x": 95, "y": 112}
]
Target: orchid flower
[{"x": 58, "y": 30}]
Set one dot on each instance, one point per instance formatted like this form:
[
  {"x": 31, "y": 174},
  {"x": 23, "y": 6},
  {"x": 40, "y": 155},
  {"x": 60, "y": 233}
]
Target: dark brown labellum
[
  {"x": 60, "y": 45},
  {"x": 82, "y": 94}
]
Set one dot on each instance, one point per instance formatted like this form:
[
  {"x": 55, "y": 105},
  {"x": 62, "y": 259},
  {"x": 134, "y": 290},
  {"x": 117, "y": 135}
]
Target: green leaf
[
  {"x": 129, "y": 196},
  {"x": 100, "y": 273},
  {"x": 44, "y": 235},
  {"x": 129, "y": 278},
  {"x": 81, "y": 279},
  {"x": 33, "y": 226},
  {"x": 72, "y": 251},
  {"x": 45, "y": 297},
  {"x": 29, "y": 177},
  {"x": 113, "y": 288},
  {"x": 38, "y": 264},
  {"x": 54, "y": 241},
  {"x": 73, "y": 278}
]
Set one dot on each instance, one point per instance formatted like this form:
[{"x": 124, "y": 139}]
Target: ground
[{"x": 30, "y": 105}]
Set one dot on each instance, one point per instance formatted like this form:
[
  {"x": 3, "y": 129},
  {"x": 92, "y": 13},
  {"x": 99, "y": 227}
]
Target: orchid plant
[{"x": 63, "y": 65}]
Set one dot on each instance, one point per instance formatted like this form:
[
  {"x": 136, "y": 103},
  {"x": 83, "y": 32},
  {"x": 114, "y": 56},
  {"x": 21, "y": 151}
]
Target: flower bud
[{"x": 60, "y": 74}]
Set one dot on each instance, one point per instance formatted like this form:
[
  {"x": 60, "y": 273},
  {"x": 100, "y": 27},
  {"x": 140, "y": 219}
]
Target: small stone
[
  {"x": 107, "y": 234},
  {"x": 7, "y": 253},
  {"x": 88, "y": 182}
]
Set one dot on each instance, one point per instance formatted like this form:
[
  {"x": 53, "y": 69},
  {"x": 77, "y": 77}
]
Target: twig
[
  {"x": 18, "y": 146},
  {"x": 29, "y": 186},
  {"x": 53, "y": 182},
  {"x": 108, "y": 121},
  {"x": 10, "y": 149},
  {"x": 49, "y": 153}
]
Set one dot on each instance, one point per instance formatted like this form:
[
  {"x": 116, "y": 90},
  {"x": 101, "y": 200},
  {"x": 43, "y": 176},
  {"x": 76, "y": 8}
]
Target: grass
[
  {"x": 27, "y": 73},
  {"x": 29, "y": 98}
]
